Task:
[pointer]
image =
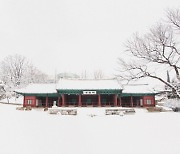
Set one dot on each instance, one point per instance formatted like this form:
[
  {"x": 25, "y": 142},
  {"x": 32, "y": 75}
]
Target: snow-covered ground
[
  {"x": 13, "y": 100},
  {"x": 37, "y": 132}
]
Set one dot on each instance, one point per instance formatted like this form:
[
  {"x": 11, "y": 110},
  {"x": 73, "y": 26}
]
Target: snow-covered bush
[{"x": 172, "y": 103}]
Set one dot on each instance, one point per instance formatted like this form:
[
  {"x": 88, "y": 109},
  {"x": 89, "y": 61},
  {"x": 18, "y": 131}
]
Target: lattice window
[
  {"x": 29, "y": 101},
  {"x": 148, "y": 101}
]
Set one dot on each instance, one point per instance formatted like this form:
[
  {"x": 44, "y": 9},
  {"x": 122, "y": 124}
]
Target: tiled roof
[{"x": 88, "y": 84}]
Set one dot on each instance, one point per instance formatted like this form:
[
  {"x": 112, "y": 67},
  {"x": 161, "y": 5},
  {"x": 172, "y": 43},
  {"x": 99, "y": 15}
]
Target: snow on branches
[{"x": 157, "y": 48}]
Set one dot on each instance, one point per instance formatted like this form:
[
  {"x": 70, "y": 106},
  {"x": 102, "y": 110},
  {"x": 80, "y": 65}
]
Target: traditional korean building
[{"x": 81, "y": 93}]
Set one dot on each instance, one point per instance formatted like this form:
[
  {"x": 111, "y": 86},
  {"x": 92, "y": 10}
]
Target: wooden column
[
  {"x": 46, "y": 100},
  {"x": 120, "y": 101},
  {"x": 115, "y": 100},
  {"x": 131, "y": 101},
  {"x": 79, "y": 103},
  {"x": 24, "y": 101},
  {"x": 63, "y": 100},
  {"x": 58, "y": 101},
  {"x": 154, "y": 101},
  {"x": 99, "y": 100},
  {"x": 144, "y": 103}
]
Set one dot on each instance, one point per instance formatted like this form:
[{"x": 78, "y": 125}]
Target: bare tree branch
[
  {"x": 157, "y": 47},
  {"x": 98, "y": 74},
  {"x": 173, "y": 16}
]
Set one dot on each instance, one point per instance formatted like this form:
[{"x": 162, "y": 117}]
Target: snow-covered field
[
  {"x": 13, "y": 100},
  {"x": 37, "y": 132}
]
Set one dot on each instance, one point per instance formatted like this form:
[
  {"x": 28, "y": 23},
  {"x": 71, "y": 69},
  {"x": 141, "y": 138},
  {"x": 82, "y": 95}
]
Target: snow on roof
[
  {"x": 73, "y": 84},
  {"x": 38, "y": 88},
  {"x": 138, "y": 88},
  {"x": 89, "y": 84}
]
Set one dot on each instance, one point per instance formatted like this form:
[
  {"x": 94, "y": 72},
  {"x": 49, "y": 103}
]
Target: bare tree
[
  {"x": 12, "y": 69},
  {"x": 98, "y": 74},
  {"x": 159, "y": 47},
  {"x": 34, "y": 75},
  {"x": 84, "y": 74},
  {"x": 15, "y": 72}
]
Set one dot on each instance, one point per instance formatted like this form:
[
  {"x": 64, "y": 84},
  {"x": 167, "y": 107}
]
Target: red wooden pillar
[
  {"x": 99, "y": 100},
  {"x": 79, "y": 103},
  {"x": 46, "y": 101},
  {"x": 115, "y": 100},
  {"x": 63, "y": 100},
  {"x": 120, "y": 101},
  {"x": 144, "y": 103},
  {"x": 154, "y": 101},
  {"x": 131, "y": 101},
  {"x": 58, "y": 101},
  {"x": 24, "y": 101}
]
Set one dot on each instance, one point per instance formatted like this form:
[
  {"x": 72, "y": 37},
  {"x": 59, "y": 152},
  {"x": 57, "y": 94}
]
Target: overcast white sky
[{"x": 74, "y": 35}]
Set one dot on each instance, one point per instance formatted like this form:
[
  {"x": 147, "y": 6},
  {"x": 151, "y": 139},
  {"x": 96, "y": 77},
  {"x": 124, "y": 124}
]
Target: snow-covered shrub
[{"x": 172, "y": 103}]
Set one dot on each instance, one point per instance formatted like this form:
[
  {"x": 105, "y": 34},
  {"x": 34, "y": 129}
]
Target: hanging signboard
[{"x": 89, "y": 92}]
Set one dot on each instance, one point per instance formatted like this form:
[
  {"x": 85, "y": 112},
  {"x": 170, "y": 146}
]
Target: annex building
[{"x": 88, "y": 93}]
